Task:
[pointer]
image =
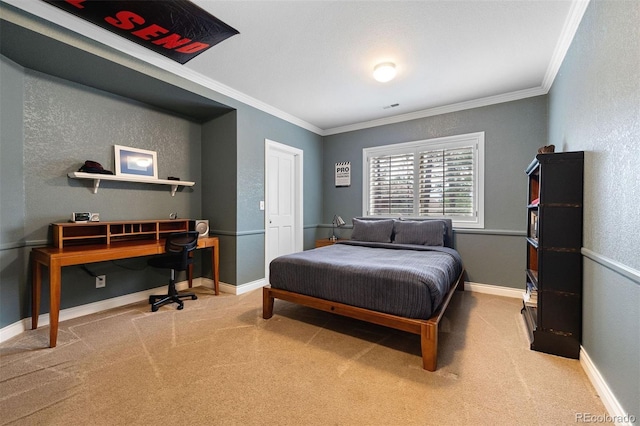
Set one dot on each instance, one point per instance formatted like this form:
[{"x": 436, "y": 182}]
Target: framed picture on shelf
[{"x": 136, "y": 162}]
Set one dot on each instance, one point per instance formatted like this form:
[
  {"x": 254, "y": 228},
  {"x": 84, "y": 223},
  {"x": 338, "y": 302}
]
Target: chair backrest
[{"x": 181, "y": 243}]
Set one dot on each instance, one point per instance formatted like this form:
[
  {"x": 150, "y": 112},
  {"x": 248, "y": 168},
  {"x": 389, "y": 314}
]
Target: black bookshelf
[{"x": 552, "y": 303}]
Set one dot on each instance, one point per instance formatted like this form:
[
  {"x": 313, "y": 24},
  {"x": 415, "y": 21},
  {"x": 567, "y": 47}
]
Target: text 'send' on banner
[{"x": 177, "y": 29}]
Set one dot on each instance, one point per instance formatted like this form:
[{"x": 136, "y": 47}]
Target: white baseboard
[
  {"x": 230, "y": 288},
  {"x": 16, "y": 328},
  {"x": 242, "y": 288},
  {"x": 468, "y": 286},
  {"x": 493, "y": 289},
  {"x": 615, "y": 410}
]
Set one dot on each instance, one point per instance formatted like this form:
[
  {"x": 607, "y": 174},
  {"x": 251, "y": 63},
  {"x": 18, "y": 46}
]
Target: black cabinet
[{"x": 552, "y": 305}]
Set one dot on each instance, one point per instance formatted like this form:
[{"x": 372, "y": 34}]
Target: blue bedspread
[{"x": 405, "y": 280}]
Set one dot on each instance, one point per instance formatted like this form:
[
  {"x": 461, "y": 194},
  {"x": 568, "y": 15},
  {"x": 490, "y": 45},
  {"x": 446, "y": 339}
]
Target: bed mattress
[{"x": 399, "y": 279}]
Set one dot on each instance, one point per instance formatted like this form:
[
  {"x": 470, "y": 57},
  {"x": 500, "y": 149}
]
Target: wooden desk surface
[
  {"x": 55, "y": 258},
  {"x": 96, "y": 253}
]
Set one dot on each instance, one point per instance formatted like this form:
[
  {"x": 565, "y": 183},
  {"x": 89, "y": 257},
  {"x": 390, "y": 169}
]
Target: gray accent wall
[
  {"x": 233, "y": 157},
  {"x": 254, "y": 127},
  {"x": 513, "y": 132},
  {"x": 219, "y": 204},
  {"x": 55, "y": 116},
  {"x": 13, "y": 258},
  {"x": 66, "y": 123},
  {"x": 594, "y": 106},
  {"x": 63, "y": 124},
  {"x": 52, "y": 123}
]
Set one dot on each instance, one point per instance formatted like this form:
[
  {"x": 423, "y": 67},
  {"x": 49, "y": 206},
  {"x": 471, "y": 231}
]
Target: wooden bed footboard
[{"x": 427, "y": 329}]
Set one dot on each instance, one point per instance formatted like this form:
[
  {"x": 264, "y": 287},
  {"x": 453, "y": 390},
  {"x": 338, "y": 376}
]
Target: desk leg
[
  {"x": 215, "y": 258},
  {"x": 214, "y": 266},
  {"x": 36, "y": 287},
  {"x": 54, "y": 302}
]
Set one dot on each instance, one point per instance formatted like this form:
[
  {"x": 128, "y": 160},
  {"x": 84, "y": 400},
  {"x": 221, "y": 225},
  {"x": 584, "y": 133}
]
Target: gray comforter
[{"x": 405, "y": 280}]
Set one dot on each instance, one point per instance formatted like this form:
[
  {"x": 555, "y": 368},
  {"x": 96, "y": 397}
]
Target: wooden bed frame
[{"x": 427, "y": 329}]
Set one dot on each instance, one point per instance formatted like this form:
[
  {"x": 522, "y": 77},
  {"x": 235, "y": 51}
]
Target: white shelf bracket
[
  {"x": 174, "y": 188},
  {"x": 96, "y": 185}
]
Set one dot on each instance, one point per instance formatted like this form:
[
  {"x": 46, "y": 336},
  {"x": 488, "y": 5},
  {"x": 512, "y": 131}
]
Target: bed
[{"x": 396, "y": 273}]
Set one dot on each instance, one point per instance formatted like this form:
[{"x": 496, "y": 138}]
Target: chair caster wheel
[
  {"x": 154, "y": 309},
  {"x": 180, "y": 307},
  {"x": 194, "y": 297}
]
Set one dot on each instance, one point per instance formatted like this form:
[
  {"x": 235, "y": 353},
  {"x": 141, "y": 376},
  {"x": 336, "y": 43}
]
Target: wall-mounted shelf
[{"x": 97, "y": 177}]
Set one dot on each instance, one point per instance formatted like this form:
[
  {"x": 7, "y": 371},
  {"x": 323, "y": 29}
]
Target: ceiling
[{"x": 311, "y": 62}]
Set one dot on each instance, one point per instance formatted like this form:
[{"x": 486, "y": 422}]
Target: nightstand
[{"x": 325, "y": 242}]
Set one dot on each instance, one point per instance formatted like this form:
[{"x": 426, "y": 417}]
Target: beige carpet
[{"x": 218, "y": 362}]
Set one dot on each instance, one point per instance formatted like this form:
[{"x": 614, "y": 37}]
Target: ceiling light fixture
[{"x": 384, "y": 72}]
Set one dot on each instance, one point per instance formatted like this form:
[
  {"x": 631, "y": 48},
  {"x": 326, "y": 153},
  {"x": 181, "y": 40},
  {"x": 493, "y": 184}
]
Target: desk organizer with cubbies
[{"x": 72, "y": 234}]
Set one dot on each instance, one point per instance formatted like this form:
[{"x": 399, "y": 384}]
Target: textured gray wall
[
  {"x": 513, "y": 132},
  {"x": 66, "y": 123},
  {"x": 254, "y": 127},
  {"x": 233, "y": 157},
  {"x": 11, "y": 135},
  {"x": 594, "y": 105},
  {"x": 13, "y": 259},
  {"x": 219, "y": 204},
  {"x": 55, "y": 126}
]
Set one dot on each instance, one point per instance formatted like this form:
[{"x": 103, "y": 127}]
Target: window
[{"x": 435, "y": 178}]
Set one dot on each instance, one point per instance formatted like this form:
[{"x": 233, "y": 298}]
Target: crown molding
[
  {"x": 225, "y": 90},
  {"x": 576, "y": 12},
  {"x": 460, "y": 106},
  {"x": 60, "y": 19},
  {"x": 571, "y": 24}
]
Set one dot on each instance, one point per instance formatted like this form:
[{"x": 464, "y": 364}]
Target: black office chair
[{"x": 178, "y": 247}]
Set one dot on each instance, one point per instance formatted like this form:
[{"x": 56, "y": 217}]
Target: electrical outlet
[{"x": 101, "y": 281}]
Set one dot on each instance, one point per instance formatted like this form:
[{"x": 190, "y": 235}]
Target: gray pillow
[
  {"x": 425, "y": 232},
  {"x": 373, "y": 231}
]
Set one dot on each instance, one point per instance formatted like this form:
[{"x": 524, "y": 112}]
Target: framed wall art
[
  {"x": 343, "y": 174},
  {"x": 136, "y": 162}
]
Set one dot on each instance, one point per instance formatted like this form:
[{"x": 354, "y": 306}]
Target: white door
[{"x": 283, "y": 201}]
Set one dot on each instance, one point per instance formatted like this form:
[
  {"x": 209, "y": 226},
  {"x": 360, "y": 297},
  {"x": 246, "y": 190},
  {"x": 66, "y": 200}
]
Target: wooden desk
[{"x": 55, "y": 258}]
